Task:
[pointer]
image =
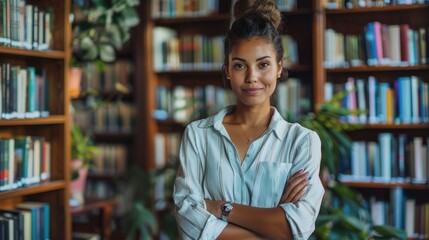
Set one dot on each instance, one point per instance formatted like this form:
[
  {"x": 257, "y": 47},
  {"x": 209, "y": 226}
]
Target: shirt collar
[{"x": 277, "y": 124}]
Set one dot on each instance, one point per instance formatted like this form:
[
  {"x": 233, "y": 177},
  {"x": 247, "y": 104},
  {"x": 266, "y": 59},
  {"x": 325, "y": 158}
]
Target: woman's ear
[{"x": 280, "y": 66}]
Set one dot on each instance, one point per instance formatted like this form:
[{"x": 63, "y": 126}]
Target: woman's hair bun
[{"x": 267, "y": 8}]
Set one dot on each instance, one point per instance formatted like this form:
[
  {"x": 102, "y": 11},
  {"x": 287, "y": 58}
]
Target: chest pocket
[{"x": 270, "y": 180}]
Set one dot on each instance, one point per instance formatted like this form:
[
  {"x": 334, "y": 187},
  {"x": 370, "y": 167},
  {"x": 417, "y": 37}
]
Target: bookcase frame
[{"x": 55, "y": 128}]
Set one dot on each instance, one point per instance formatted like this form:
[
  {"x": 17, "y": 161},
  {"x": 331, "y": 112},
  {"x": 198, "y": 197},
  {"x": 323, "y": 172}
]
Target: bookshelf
[
  {"x": 399, "y": 176},
  {"x": 52, "y": 64},
  {"x": 108, "y": 113},
  {"x": 312, "y": 68}
]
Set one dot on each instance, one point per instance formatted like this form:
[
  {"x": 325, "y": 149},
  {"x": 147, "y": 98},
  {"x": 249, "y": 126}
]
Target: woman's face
[{"x": 253, "y": 71}]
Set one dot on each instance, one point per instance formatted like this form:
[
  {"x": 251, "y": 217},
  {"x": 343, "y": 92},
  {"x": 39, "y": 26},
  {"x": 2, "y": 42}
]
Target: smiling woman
[{"x": 246, "y": 173}]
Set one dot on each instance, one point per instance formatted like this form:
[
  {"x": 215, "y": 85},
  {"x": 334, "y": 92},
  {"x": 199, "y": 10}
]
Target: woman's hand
[
  {"x": 214, "y": 206},
  {"x": 295, "y": 188}
]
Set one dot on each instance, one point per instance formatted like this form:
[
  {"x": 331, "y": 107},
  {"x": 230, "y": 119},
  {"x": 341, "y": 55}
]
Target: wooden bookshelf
[
  {"x": 307, "y": 24},
  {"x": 351, "y": 22},
  {"x": 54, "y": 128}
]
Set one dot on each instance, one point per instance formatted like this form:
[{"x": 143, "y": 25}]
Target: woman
[{"x": 246, "y": 173}]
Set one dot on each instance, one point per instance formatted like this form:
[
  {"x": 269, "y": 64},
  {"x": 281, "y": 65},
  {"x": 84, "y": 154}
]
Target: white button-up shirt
[{"x": 210, "y": 168}]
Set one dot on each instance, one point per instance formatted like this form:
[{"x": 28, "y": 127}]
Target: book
[
  {"x": 39, "y": 218},
  {"x": 18, "y": 222},
  {"x": 85, "y": 236}
]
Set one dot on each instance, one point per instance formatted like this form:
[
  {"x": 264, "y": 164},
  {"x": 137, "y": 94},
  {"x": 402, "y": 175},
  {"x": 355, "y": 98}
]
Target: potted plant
[
  {"x": 101, "y": 28},
  {"x": 83, "y": 151}
]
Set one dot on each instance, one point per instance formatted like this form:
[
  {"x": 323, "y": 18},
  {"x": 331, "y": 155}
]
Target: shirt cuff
[
  {"x": 213, "y": 228},
  {"x": 301, "y": 222}
]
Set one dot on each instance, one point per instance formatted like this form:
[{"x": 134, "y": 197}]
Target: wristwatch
[{"x": 226, "y": 209}]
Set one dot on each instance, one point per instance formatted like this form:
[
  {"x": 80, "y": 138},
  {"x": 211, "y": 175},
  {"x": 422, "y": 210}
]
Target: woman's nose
[{"x": 252, "y": 76}]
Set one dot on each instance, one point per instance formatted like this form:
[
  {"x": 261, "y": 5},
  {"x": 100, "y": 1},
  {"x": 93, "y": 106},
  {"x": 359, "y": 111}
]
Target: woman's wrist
[{"x": 215, "y": 207}]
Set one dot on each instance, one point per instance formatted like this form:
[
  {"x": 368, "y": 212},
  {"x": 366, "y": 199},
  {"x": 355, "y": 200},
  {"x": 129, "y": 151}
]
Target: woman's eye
[
  {"x": 264, "y": 65},
  {"x": 239, "y": 66}
]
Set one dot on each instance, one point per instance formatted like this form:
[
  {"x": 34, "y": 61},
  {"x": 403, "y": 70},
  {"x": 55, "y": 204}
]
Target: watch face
[{"x": 227, "y": 207}]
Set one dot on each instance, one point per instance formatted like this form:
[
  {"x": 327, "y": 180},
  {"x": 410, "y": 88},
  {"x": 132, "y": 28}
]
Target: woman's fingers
[{"x": 295, "y": 187}]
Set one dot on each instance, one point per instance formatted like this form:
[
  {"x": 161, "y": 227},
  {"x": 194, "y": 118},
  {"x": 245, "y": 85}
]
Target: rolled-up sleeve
[
  {"x": 194, "y": 221},
  {"x": 302, "y": 215}
]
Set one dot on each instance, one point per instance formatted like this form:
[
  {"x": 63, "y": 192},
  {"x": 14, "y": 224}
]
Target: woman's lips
[{"x": 252, "y": 91}]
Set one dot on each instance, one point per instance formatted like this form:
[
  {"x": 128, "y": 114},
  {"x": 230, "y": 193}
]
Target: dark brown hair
[{"x": 254, "y": 18}]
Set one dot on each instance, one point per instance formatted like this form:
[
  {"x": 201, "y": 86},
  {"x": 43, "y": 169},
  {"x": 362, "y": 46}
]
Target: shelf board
[
  {"x": 104, "y": 176},
  {"x": 189, "y": 72},
  {"x": 298, "y": 12},
  {"x": 113, "y": 137},
  {"x": 386, "y": 185},
  {"x": 34, "y": 189},
  {"x": 397, "y": 126},
  {"x": 395, "y": 8},
  {"x": 170, "y": 125},
  {"x": 58, "y": 119},
  {"x": 377, "y": 69},
  {"x": 33, "y": 53},
  {"x": 218, "y": 17},
  {"x": 192, "y": 19}
]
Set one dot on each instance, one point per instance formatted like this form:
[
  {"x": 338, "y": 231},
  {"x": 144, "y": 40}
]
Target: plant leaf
[
  {"x": 88, "y": 48},
  {"x": 107, "y": 53},
  {"x": 390, "y": 232},
  {"x": 133, "y": 2},
  {"x": 130, "y": 17}
]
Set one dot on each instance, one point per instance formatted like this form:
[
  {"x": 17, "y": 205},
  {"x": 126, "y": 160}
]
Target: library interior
[{"x": 108, "y": 88}]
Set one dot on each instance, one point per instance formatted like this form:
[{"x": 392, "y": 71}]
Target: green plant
[
  {"x": 101, "y": 28},
  {"x": 141, "y": 217},
  {"x": 82, "y": 148}
]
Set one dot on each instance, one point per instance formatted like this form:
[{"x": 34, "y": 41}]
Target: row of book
[
  {"x": 111, "y": 159},
  {"x": 183, "y": 8},
  {"x": 200, "y": 52},
  {"x": 166, "y": 148},
  {"x": 401, "y": 212},
  {"x": 188, "y": 52},
  {"x": 24, "y": 92},
  {"x": 293, "y": 99},
  {"x": 99, "y": 188},
  {"x": 392, "y": 158},
  {"x": 404, "y": 100},
  {"x": 24, "y": 161},
  {"x": 96, "y": 189},
  {"x": 291, "y": 54},
  {"x": 104, "y": 78},
  {"x": 25, "y": 25},
  {"x": 338, "y": 4},
  {"x": 379, "y": 44},
  {"x": 118, "y": 116},
  {"x": 28, "y": 221},
  {"x": 184, "y": 104}
]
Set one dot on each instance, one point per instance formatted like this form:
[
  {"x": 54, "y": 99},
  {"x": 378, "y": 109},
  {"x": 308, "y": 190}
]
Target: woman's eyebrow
[{"x": 243, "y": 60}]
